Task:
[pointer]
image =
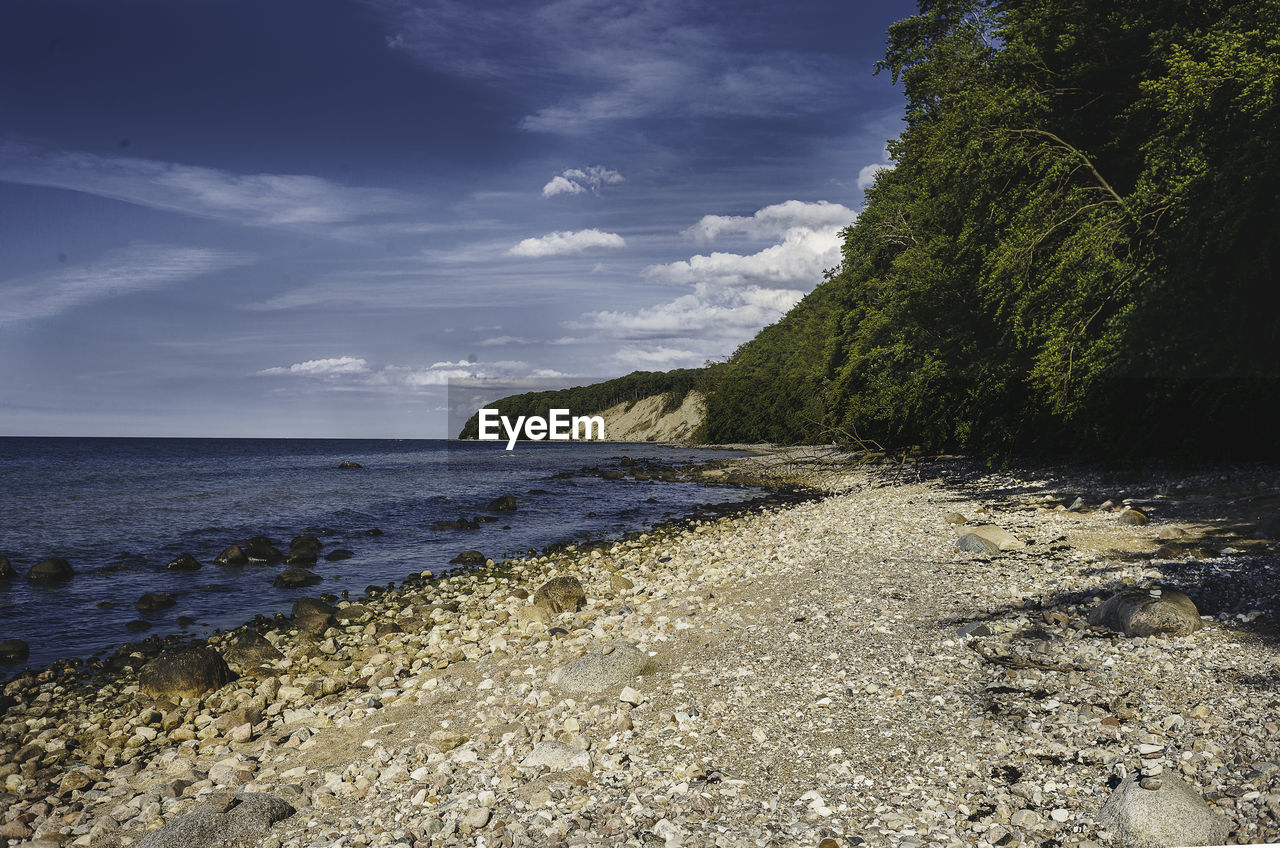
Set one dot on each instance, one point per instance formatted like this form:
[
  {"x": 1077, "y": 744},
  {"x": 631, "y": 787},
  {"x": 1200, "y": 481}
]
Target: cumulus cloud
[
  {"x": 775, "y": 220},
  {"x": 867, "y": 175},
  {"x": 658, "y": 357},
  {"x": 333, "y": 367},
  {"x": 266, "y": 200},
  {"x": 137, "y": 268},
  {"x": 567, "y": 243},
  {"x": 797, "y": 261},
  {"x": 581, "y": 180},
  {"x": 709, "y": 312}
]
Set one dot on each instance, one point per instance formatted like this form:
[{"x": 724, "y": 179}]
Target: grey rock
[
  {"x": 184, "y": 673},
  {"x": 975, "y": 544},
  {"x": 242, "y": 825},
  {"x": 1001, "y": 538},
  {"x": 251, "y": 648},
  {"x": 1137, "y": 612},
  {"x": 975, "y": 629},
  {"x": 557, "y": 756},
  {"x": 1173, "y": 815},
  {"x": 1076, "y": 505},
  {"x": 600, "y": 671}
]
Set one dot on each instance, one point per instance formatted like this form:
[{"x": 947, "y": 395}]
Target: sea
[{"x": 99, "y": 502}]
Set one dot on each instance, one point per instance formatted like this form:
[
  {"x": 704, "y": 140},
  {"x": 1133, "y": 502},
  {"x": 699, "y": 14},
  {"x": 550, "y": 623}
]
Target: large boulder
[
  {"x": 51, "y": 570},
  {"x": 260, "y": 550},
  {"x": 295, "y": 578},
  {"x": 305, "y": 542},
  {"x": 561, "y": 594},
  {"x": 998, "y": 536},
  {"x": 612, "y": 667},
  {"x": 1173, "y": 815},
  {"x": 185, "y": 562},
  {"x": 239, "y": 822},
  {"x": 312, "y": 616},
  {"x": 1148, "y": 612},
  {"x": 250, "y": 649},
  {"x": 505, "y": 503},
  {"x": 975, "y": 544},
  {"x": 184, "y": 673},
  {"x": 469, "y": 558},
  {"x": 307, "y": 607},
  {"x": 13, "y": 651},
  {"x": 6, "y": 569}
]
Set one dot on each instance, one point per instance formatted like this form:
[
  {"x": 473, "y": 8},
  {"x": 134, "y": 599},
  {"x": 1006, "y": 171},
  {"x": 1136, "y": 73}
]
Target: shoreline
[{"x": 741, "y": 615}]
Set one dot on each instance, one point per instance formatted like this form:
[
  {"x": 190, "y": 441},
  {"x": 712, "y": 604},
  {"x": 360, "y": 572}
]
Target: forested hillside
[{"x": 1075, "y": 249}]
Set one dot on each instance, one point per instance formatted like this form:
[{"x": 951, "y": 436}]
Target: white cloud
[
  {"x": 867, "y": 175},
  {"x": 567, "y": 243},
  {"x": 660, "y": 357},
  {"x": 139, "y": 267},
  {"x": 265, "y": 200},
  {"x": 798, "y": 261},
  {"x": 333, "y": 367},
  {"x": 498, "y": 341},
  {"x": 710, "y": 312},
  {"x": 774, "y": 220},
  {"x": 581, "y": 180}
]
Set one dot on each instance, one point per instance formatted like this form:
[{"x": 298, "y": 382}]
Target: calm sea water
[{"x": 92, "y": 501}]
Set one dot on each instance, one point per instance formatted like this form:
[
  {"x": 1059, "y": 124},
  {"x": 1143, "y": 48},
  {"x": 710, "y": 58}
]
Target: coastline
[{"x": 808, "y": 681}]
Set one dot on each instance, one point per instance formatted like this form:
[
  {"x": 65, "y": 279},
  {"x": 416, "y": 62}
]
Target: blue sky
[{"x": 303, "y": 217}]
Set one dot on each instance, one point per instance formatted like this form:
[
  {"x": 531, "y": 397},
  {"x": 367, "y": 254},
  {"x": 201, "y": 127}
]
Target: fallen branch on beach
[{"x": 1010, "y": 662}]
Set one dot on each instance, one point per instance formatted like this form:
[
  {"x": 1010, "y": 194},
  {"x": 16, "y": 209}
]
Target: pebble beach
[{"x": 833, "y": 672}]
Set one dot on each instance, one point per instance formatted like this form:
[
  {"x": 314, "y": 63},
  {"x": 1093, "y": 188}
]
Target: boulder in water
[
  {"x": 339, "y": 554},
  {"x": 153, "y": 601},
  {"x": 14, "y": 651},
  {"x": 304, "y": 542},
  {"x": 505, "y": 503},
  {"x": 184, "y": 673},
  {"x": 469, "y": 558},
  {"x": 347, "y": 463},
  {"x": 6, "y": 569},
  {"x": 233, "y": 555},
  {"x": 295, "y": 578},
  {"x": 185, "y": 562},
  {"x": 259, "y": 550},
  {"x": 51, "y": 570},
  {"x": 301, "y": 557}
]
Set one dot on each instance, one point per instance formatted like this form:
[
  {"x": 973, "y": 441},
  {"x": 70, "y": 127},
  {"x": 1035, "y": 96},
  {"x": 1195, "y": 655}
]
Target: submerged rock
[
  {"x": 505, "y": 503},
  {"x": 1173, "y": 815},
  {"x": 152, "y": 601},
  {"x": 301, "y": 557},
  {"x": 295, "y": 578},
  {"x": 1148, "y": 612},
  {"x": 241, "y": 823},
  {"x": 6, "y": 569},
  {"x": 257, "y": 550},
  {"x": 233, "y": 555},
  {"x": 347, "y": 463},
  {"x": 51, "y": 570},
  {"x": 184, "y": 673},
  {"x": 13, "y": 651},
  {"x": 561, "y": 594},
  {"x": 339, "y": 554},
  {"x": 185, "y": 562}
]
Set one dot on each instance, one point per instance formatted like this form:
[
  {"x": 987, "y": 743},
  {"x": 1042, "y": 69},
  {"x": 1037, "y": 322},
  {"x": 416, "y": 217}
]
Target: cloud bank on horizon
[{"x": 411, "y": 192}]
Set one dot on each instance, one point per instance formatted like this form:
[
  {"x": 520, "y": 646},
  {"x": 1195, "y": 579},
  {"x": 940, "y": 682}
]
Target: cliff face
[{"x": 644, "y": 421}]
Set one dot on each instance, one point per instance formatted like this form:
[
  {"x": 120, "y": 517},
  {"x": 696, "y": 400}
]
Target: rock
[
  {"x": 620, "y": 584},
  {"x": 300, "y": 558},
  {"x": 51, "y": 570},
  {"x": 630, "y": 696},
  {"x": 1136, "y": 517},
  {"x": 955, "y": 518},
  {"x": 530, "y": 613},
  {"x": 975, "y": 544},
  {"x": 1076, "y": 506},
  {"x": 477, "y": 817},
  {"x": 1140, "y": 612},
  {"x": 557, "y": 756},
  {"x": 307, "y": 607},
  {"x": 469, "y": 558},
  {"x": 185, "y": 562},
  {"x": 243, "y": 824},
  {"x": 346, "y": 463},
  {"x": 295, "y": 578},
  {"x": 305, "y": 542},
  {"x": 153, "y": 601},
  {"x": 250, "y": 649},
  {"x": 6, "y": 569},
  {"x": 339, "y": 554},
  {"x": 233, "y": 555},
  {"x": 14, "y": 651},
  {"x": 1173, "y": 815},
  {"x": 256, "y": 550},
  {"x": 599, "y": 671},
  {"x": 561, "y": 594},
  {"x": 976, "y": 629},
  {"x": 1001, "y": 538},
  {"x": 506, "y": 503},
  {"x": 184, "y": 673}
]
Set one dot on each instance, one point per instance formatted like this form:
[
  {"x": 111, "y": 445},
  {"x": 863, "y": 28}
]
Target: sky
[{"x": 303, "y": 218}]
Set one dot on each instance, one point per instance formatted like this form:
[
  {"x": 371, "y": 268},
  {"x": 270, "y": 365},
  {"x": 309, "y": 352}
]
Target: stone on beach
[
  {"x": 1173, "y": 815},
  {"x": 1142, "y": 612},
  {"x": 561, "y": 594},
  {"x": 557, "y": 756},
  {"x": 998, "y": 536},
  {"x": 251, "y": 648},
  {"x": 599, "y": 671},
  {"x": 242, "y": 824},
  {"x": 975, "y": 544},
  {"x": 184, "y": 673}
]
